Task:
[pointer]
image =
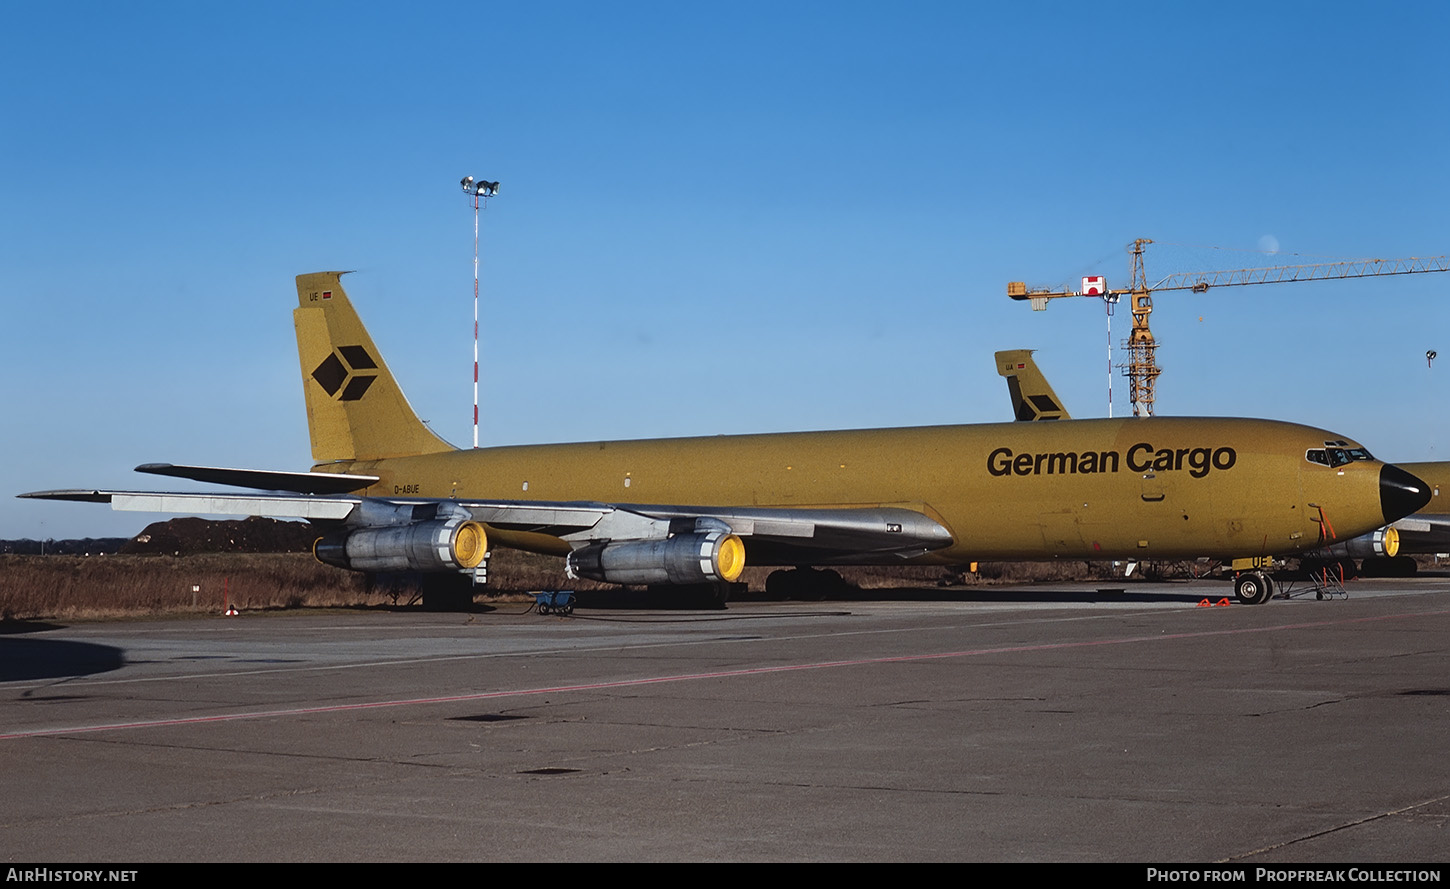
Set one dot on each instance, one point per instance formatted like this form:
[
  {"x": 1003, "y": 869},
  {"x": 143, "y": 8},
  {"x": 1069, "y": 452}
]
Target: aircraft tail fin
[
  {"x": 1032, "y": 395},
  {"x": 355, "y": 409}
]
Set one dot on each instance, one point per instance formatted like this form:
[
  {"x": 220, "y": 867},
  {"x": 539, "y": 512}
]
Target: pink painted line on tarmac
[{"x": 691, "y": 677}]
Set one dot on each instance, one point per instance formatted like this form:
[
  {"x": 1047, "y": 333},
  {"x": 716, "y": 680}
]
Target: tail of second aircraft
[
  {"x": 1032, "y": 396},
  {"x": 355, "y": 409}
]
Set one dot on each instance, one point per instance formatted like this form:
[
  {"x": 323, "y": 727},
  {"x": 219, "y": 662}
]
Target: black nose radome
[{"x": 1401, "y": 493}]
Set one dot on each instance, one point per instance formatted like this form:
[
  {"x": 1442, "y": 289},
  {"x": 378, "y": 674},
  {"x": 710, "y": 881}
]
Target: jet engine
[
  {"x": 1384, "y": 543},
  {"x": 700, "y": 557},
  {"x": 447, "y": 539}
]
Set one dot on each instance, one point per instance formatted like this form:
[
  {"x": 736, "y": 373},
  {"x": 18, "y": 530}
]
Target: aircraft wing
[
  {"x": 772, "y": 536},
  {"x": 1423, "y": 533}
]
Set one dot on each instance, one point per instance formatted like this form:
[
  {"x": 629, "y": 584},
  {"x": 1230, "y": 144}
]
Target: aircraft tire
[
  {"x": 716, "y": 596},
  {"x": 447, "y": 592},
  {"x": 1398, "y": 566},
  {"x": 806, "y": 584},
  {"x": 694, "y": 596},
  {"x": 1253, "y": 588},
  {"x": 817, "y": 584},
  {"x": 803, "y": 584},
  {"x": 779, "y": 585}
]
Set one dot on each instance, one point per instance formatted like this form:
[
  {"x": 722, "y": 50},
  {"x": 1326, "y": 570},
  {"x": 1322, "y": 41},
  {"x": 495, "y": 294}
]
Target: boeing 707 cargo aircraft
[{"x": 387, "y": 495}]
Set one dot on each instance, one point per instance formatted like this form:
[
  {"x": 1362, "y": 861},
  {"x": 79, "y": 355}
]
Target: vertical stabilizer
[
  {"x": 1032, "y": 396},
  {"x": 355, "y": 410}
]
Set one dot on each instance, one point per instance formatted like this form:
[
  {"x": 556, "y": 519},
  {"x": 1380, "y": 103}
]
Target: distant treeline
[
  {"x": 181, "y": 537},
  {"x": 85, "y": 546}
]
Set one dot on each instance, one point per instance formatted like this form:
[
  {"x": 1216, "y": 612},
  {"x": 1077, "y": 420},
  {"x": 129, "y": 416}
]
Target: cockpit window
[{"x": 1336, "y": 453}]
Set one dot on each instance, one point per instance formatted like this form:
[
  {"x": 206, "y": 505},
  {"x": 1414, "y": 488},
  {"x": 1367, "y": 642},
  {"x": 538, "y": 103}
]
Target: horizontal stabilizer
[{"x": 264, "y": 479}]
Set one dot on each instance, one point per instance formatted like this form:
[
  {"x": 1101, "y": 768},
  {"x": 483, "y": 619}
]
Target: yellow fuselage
[{"x": 1087, "y": 489}]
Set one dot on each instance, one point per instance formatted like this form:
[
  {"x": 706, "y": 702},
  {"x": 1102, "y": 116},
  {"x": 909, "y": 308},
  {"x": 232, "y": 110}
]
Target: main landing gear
[
  {"x": 805, "y": 583},
  {"x": 1253, "y": 587}
]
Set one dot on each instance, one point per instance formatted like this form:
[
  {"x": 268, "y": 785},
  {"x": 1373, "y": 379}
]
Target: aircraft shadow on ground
[
  {"x": 32, "y": 659},
  {"x": 649, "y": 599}
]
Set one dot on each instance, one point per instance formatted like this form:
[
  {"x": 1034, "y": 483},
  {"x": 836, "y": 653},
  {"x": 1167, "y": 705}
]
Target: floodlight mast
[
  {"x": 1110, "y": 301},
  {"x": 476, "y": 189}
]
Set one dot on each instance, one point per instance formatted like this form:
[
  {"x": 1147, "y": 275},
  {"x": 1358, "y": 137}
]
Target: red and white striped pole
[
  {"x": 478, "y": 190},
  {"x": 475, "y": 319}
]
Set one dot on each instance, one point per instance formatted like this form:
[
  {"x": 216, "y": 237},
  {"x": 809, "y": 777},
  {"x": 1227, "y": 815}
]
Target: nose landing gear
[{"x": 1253, "y": 587}]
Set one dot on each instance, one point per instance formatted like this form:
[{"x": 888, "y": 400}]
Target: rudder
[{"x": 355, "y": 409}]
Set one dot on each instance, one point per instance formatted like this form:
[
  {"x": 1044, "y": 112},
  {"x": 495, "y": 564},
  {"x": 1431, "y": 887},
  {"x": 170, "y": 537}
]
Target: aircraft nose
[{"x": 1401, "y": 493}]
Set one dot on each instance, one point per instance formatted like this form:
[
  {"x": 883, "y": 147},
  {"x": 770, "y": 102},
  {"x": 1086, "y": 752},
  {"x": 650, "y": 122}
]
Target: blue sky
[{"x": 714, "y": 217}]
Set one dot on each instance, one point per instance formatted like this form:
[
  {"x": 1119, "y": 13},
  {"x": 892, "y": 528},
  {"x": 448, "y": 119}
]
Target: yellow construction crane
[{"x": 1142, "y": 368}]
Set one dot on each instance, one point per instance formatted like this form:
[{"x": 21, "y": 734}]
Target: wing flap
[
  {"x": 275, "y": 505},
  {"x": 229, "y": 504}
]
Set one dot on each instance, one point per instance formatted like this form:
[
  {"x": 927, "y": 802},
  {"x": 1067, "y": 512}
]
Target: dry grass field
[
  {"x": 80, "y": 587},
  {"x": 61, "y": 587},
  {"x": 34, "y": 587}
]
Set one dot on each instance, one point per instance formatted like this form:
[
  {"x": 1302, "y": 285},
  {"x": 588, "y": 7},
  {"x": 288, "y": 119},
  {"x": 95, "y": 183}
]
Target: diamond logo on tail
[{"x": 339, "y": 373}]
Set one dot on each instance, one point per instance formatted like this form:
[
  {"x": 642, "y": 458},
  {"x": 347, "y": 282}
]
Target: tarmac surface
[{"x": 1046, "y": 723}]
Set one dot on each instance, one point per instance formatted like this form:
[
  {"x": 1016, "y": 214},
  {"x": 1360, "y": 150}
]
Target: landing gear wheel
[
  {"x": 806, "y": 584},
  {"x": 447, "y": 592},
  {"x": 778, "y": 586},
  {"x": 1253, "y": 588}
]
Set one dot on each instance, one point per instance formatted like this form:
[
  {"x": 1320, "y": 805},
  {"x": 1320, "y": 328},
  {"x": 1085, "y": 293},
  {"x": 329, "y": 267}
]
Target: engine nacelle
[
  {"x": 1384, "y": 543},
  {"x": 708, "y": 557},
  {"x": 451, "y": 544}
]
